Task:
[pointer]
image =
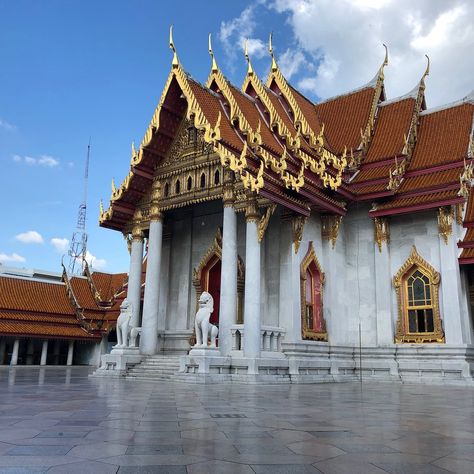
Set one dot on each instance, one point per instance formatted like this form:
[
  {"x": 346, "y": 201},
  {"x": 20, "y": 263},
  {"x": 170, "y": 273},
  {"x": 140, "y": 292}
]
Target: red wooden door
[{"x": 214, "y": 289}]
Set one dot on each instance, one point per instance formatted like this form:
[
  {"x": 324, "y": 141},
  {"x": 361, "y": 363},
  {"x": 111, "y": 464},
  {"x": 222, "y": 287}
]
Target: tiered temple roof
[
  {"x": 396, "y": 154},
  {"x": 68, "y": 308}
]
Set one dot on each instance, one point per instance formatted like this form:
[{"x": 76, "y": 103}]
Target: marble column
[
  {"x": 228, "y": 304},
  {"x": 453, "y": 303},
  {"x": 149, "y": 336},
  {"x": 383, "y": 284},
  {"x": 16, "y": 347},
  {"x": 44, "y": 352},
  {"x": 70, "y": 353},
  {"x": 252, "y": 316},
  {"x": 135, "y": 275}
]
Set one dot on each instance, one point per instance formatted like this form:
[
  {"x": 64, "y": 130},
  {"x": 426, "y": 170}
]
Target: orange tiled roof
[
  {"x": 19, "y": 328},
  {"x": 108, "y": 284},
  {"x": 434, "y": 198},
  {"x": 393, "y": 123},
  {"x": 343, "y": 118},
  {"x": 31, "y": 295},
  {"x": 443, "y": 136}
]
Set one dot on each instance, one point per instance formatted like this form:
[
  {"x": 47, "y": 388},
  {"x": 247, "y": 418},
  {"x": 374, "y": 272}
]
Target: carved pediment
[{"x": 189, "y": 143}]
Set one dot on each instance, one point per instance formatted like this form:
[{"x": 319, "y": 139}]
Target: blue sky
[{"x": 74, "y": 69}]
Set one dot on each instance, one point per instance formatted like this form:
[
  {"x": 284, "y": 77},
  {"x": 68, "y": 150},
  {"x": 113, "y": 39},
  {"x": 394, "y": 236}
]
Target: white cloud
[
  {"x": 343, "y": 40},
  {"x": 94, "y": 262},
  {"x": 14, "y": 257},
  {"x": 30, "y": 237},
  {"x": 234, "y": 33},
  {"x": 44, "y": 160},
  {"x": 7, "y": 126},
  {"x": 61, "y": 245}
]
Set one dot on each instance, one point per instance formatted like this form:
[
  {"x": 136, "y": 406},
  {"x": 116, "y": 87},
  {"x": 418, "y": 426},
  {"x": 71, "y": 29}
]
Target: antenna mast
[{"x": 78, "y": 247}]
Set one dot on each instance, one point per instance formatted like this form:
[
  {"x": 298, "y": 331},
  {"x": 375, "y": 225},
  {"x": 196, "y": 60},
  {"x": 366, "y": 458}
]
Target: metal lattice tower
[{"x": 78, "y": 247}]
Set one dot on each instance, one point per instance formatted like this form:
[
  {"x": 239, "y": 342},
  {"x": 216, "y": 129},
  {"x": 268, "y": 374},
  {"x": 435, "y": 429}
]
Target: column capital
[
  {"x": 137, "y": 233},
  {"x": 229, "y": 195},
  {"x": 251, "y": 210}
]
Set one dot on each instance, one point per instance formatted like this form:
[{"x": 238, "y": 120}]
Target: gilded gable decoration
[
  {"x": 330, "y": 228},
  {"x": 297, "y": 228},
  {"x": 445, "y": 222},
  {"x": 381, "y": 231},
  {"x": 417, "y": 288}
]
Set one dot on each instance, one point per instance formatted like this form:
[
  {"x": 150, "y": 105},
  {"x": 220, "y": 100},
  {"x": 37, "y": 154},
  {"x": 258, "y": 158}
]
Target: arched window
[
  {"x": 417, "y": 287},
  {"x": 203, "y": 180},
  {"x": 166, "y": 191},
  {"x": 190, "y": 183},
  {"x": 312, "y": 280},
  {"x": 177, "y": 187},
  {"x": 217, "y": 177}
]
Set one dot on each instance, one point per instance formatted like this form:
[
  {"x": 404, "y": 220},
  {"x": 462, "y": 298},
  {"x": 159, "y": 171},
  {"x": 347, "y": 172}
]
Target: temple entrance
[
  {"x": 211, "y": 282},
  {"x": 207, "y": 277}
]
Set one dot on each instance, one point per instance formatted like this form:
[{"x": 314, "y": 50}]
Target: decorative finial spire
[
  {"x": 114, "y": 188},
  {"x": 214, "y": 64},
  {"x": 175, "y": 62},
  {"x": 133, "y": 149},
  {"x": 101, "y": 208},
  {"x": 427, "y": 70},
  {"x": 249, "y": 64},
  {"x": 385, "y": 61},
  {"x": 270, "y": 50}
]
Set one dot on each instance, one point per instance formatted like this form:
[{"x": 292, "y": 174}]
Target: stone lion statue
[
  {"x": 123, "y": 324},
  {"x": 204, "y": 329}
]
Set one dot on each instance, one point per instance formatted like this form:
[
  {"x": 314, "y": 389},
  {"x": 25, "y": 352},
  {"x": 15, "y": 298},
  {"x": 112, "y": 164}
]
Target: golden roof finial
[
  {"x": 427, "y": 70},
  {"x": 247, "y": 57},
  {"x": 133, "y": 149},
  {"x": 214, "y": 64},
  {"x": 385, "y": 62},
  {"x": 114, "y": 189},
  {"x": 101, "y": 208},
  {"x": 270, "y": 50},
  {"x": 175, "y": 62}
]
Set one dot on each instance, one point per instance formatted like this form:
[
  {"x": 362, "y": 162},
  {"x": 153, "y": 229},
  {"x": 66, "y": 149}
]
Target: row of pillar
[
  {"x": 44, "y": 351},
  {"x": 228, "y": 300}
]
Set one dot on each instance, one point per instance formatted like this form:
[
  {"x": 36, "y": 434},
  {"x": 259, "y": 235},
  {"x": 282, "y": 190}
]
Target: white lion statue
[
  {"x": 123, "y": 324},
  {"x": 204, "y": 329}
]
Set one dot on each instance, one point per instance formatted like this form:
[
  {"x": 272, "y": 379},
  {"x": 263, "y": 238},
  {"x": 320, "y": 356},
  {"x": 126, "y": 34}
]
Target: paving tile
[
  {"x": 38, "y": 451},
  {"x": 84, "y": 467},
  {"x": 285, "y": 469},
  {"x": 155, "y": 449},
  {"x": 459, "y": 466},
  {"x": 219, "y": 467},
  {"x": 152, "y": 470},
  {"x": 98, "y": 450}
]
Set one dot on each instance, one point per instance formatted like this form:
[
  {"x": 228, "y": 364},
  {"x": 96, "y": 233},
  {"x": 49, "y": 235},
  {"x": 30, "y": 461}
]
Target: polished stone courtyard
[{"x": 59, "y": 420}]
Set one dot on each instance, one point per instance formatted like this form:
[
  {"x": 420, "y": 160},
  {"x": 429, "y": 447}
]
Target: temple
[
  {"x": 335, "y": 238},
  {"x": 49, "y": 318}
]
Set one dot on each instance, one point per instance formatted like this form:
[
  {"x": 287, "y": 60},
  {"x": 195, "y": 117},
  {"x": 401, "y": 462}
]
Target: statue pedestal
[
  {"x": 203, "y": 360},
  {"x": 118, "y": 361},
  {"x": 205, "y": 351}
]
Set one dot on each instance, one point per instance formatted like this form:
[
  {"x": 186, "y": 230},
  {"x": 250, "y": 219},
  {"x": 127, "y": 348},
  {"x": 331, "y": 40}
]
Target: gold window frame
[
  {"x": 306, "y": 332},
  {"x": 402, "y": 333}
]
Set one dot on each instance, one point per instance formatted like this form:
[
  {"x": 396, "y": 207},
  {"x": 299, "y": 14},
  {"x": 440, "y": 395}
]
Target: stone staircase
[{"x": 155, "y": 368}]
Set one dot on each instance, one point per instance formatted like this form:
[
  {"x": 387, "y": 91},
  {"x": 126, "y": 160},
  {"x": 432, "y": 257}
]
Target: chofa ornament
[{"x": 204, "y": 329}]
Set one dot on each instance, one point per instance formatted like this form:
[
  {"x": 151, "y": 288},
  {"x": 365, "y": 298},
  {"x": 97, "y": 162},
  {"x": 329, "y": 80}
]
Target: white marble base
[
  {"x": 205, "y": 351},
  {"x": 118, "y": 362}
]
